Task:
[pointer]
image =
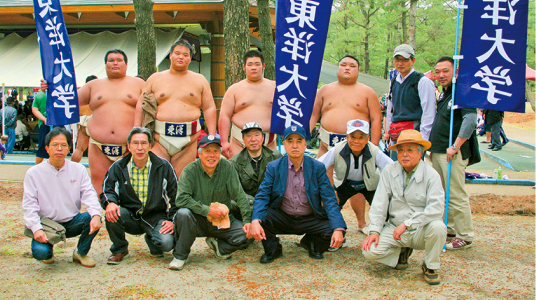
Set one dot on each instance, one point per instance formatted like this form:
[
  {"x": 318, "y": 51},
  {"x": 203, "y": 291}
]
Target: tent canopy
[
  {"x": 21, "y": 61},
  {"x": 530, "y": 74}
]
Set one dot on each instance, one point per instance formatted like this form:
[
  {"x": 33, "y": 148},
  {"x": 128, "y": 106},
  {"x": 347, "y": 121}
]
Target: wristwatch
[{"x": 454, "y": 147}]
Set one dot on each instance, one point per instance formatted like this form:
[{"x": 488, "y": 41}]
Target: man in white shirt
[
  {"x": 407, "y": 210},
  {"x": 56, "y": 189}
]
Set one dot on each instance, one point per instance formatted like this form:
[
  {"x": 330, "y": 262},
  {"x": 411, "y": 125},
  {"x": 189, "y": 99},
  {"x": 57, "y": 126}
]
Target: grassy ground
[{"x": 499, "y": 266}]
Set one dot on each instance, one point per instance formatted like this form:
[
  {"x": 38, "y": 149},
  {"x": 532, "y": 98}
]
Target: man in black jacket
[
  {"x": 137, "y": 193},
  {"x": 460, "y": 223}
]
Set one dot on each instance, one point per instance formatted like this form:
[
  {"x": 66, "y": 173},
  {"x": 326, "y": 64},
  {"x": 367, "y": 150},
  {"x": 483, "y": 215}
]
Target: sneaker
[
  {"x": 430, "y": 276},
  {"x": 177, "y": 264},
  {"x": 343, "y": 245},
  {"x": 84, "y": 260},
  {"x": 450, "y": 237},
  {"x": 405, "y": 253},
  {"x": 213, "y": 244},
  {"x": 458, "y": 243}
]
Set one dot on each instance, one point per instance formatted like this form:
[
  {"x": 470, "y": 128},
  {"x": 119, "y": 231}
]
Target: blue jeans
[
  {"x": 79, "y": 225},
  {"x": 10, "y": 132},
  {"x": 156, "y": 241}
]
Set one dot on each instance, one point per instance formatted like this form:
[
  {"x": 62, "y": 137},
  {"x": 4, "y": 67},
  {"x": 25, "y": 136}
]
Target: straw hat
[{"x": 411, "y": 136}]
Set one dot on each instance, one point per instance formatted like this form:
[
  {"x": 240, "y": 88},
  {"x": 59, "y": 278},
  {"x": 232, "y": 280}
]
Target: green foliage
[{"x": 435, "y": 32}]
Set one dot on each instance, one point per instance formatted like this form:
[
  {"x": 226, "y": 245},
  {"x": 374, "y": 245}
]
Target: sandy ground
[{"x": 499, "y": 266}]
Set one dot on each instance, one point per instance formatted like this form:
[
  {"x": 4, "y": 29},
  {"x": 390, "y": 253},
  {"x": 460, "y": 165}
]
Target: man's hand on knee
[
  {"x": 372, "y": 238},
  {"x": 256, "y": 231},
  {"x": 167, "y": 227},
  {"x": 399, "y": 231},
  {"x": 112, "y": 213},
  {"x": 95, "y": 224},
  {"x": 40, "y": 236}
]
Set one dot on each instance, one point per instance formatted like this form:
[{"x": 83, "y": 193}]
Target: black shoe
[
  {"x": 405, "y": 253},
  {"x": 310, "y": 247},
  {"x": 485, "y": 142},
  {"x": 491, "y": 146},
  {"x": 504, "y": 143},
  {"x": 496, "y": 148},
  {"x": 268, "y": 258}
]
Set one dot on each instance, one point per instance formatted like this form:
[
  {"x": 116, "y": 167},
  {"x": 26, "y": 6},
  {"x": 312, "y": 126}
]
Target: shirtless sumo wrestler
[
  {"x": 113, "y": 102},
  {"x": 247, "y": 101},
  {"x": 180, "y": 94},
  {"x": 344, "y": 100}
]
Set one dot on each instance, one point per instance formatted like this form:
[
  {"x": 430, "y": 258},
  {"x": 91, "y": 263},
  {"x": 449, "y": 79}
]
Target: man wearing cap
[
  {"x": 460, "y": 222},
  {"x": 407, "y": 210},
  {"x": 345, "y": 100},
  {"x": 205, "y": 190},
  {"x": 412, "y": 98},
  {"x": 296, "y": 197},
  {"x": 139, "y": 190},
  {"x": 251, "y": 162},
  {"x": 356, "y": 172},
  {"x": 10, "y": 123}
]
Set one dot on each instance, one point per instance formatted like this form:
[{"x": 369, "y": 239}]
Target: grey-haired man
[{"x": 138, "y": 198}]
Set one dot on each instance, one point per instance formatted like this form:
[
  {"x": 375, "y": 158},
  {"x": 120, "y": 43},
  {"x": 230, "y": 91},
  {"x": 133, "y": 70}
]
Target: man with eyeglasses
[
  {"x": 407, "y": 210},
  {"x": 412, "y": 98},
  {"x": 56, "y": 189},
  {"x": 251, "y": 162},
  {"x": 139, "y": 194}
]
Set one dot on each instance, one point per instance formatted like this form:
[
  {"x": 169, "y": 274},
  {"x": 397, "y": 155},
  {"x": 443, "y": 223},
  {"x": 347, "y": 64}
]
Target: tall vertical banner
[
  {"x": 300, "y": 38},
  {"x": 57, "y": 63},
  {"x": 494, "y": 50}
]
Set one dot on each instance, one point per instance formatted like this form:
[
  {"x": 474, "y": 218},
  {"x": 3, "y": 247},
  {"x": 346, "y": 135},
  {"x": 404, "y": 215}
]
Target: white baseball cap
[{"x": 354, "y": 125}]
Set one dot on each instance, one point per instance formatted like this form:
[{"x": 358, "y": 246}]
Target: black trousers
[{"x": 317, "y": 230}]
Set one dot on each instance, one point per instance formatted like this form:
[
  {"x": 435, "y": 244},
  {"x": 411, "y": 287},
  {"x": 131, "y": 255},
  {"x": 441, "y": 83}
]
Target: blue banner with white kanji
[
  {"x": 494, "y": 50},
  {"x": 57, "y": 63},
  {"x": 300, "y": 38}
]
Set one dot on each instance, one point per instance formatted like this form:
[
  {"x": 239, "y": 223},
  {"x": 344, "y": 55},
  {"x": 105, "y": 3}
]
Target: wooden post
[{"x": 217, "y": 68}]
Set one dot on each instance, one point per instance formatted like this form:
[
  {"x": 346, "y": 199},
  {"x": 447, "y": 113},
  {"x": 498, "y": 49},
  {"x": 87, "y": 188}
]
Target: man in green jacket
[
  {"x": 251, "y": 162},
  {"x": 205, "y": 187}
]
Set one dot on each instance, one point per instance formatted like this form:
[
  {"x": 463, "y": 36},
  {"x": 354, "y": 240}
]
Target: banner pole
[
  {"x": 452, "y": 107},
  {"x": 3, "y": 110}
]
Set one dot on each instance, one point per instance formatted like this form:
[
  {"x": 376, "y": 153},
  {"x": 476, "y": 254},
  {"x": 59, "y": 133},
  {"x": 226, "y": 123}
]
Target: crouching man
[
  {"x": 56, "y": 189},
  {"x": 407, "y": 210},
  {"x": 137, "y": 193},
  {"x": 206, "y": 187},
  {"x": 296, "y": 197}
]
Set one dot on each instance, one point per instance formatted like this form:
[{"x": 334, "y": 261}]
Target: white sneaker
[
  {"x": 213, "y": 244},
  {"x": 177, "y": 264}
]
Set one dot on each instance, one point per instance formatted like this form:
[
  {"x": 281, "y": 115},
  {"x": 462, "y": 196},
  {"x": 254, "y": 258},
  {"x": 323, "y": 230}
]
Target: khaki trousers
[
  {"x": 430, "y": 238},
  {"x": 460, "y": 221}
]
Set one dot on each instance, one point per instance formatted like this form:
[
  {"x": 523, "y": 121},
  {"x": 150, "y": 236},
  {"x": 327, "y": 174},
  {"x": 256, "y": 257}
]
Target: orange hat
[{"x": 410, "y": 136}]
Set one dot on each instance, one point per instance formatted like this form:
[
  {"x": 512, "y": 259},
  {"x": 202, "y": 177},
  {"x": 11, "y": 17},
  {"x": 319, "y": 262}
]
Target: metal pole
[
  {"x": 3, "y": 108},
  {"x": 447, "y": 187}
]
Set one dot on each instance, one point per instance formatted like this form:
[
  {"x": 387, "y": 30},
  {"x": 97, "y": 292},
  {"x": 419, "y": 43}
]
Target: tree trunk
[
  {"x": 530, "y": 96},
  {"x": 267, "y": 40},
  {"x": 367, "y": 56},
  {"x": 146, "y": 37},
  {"x": 236, "y": 38},
  {"x": 411, "y": 21},
  {"x": 403, "y": 23}
]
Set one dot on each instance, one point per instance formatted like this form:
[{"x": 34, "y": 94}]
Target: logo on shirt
[{"x": 73, "y": 180}]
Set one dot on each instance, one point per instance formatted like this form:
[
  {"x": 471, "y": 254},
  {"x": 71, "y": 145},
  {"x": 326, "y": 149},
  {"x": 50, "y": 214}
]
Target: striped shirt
[{"x": 139, "y": 179}]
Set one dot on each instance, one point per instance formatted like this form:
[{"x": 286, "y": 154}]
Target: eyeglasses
[
  {"x": 62, "y": 145},
  {"x": 136, "y": 143},
  {"x": 398, "y": 59}
]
